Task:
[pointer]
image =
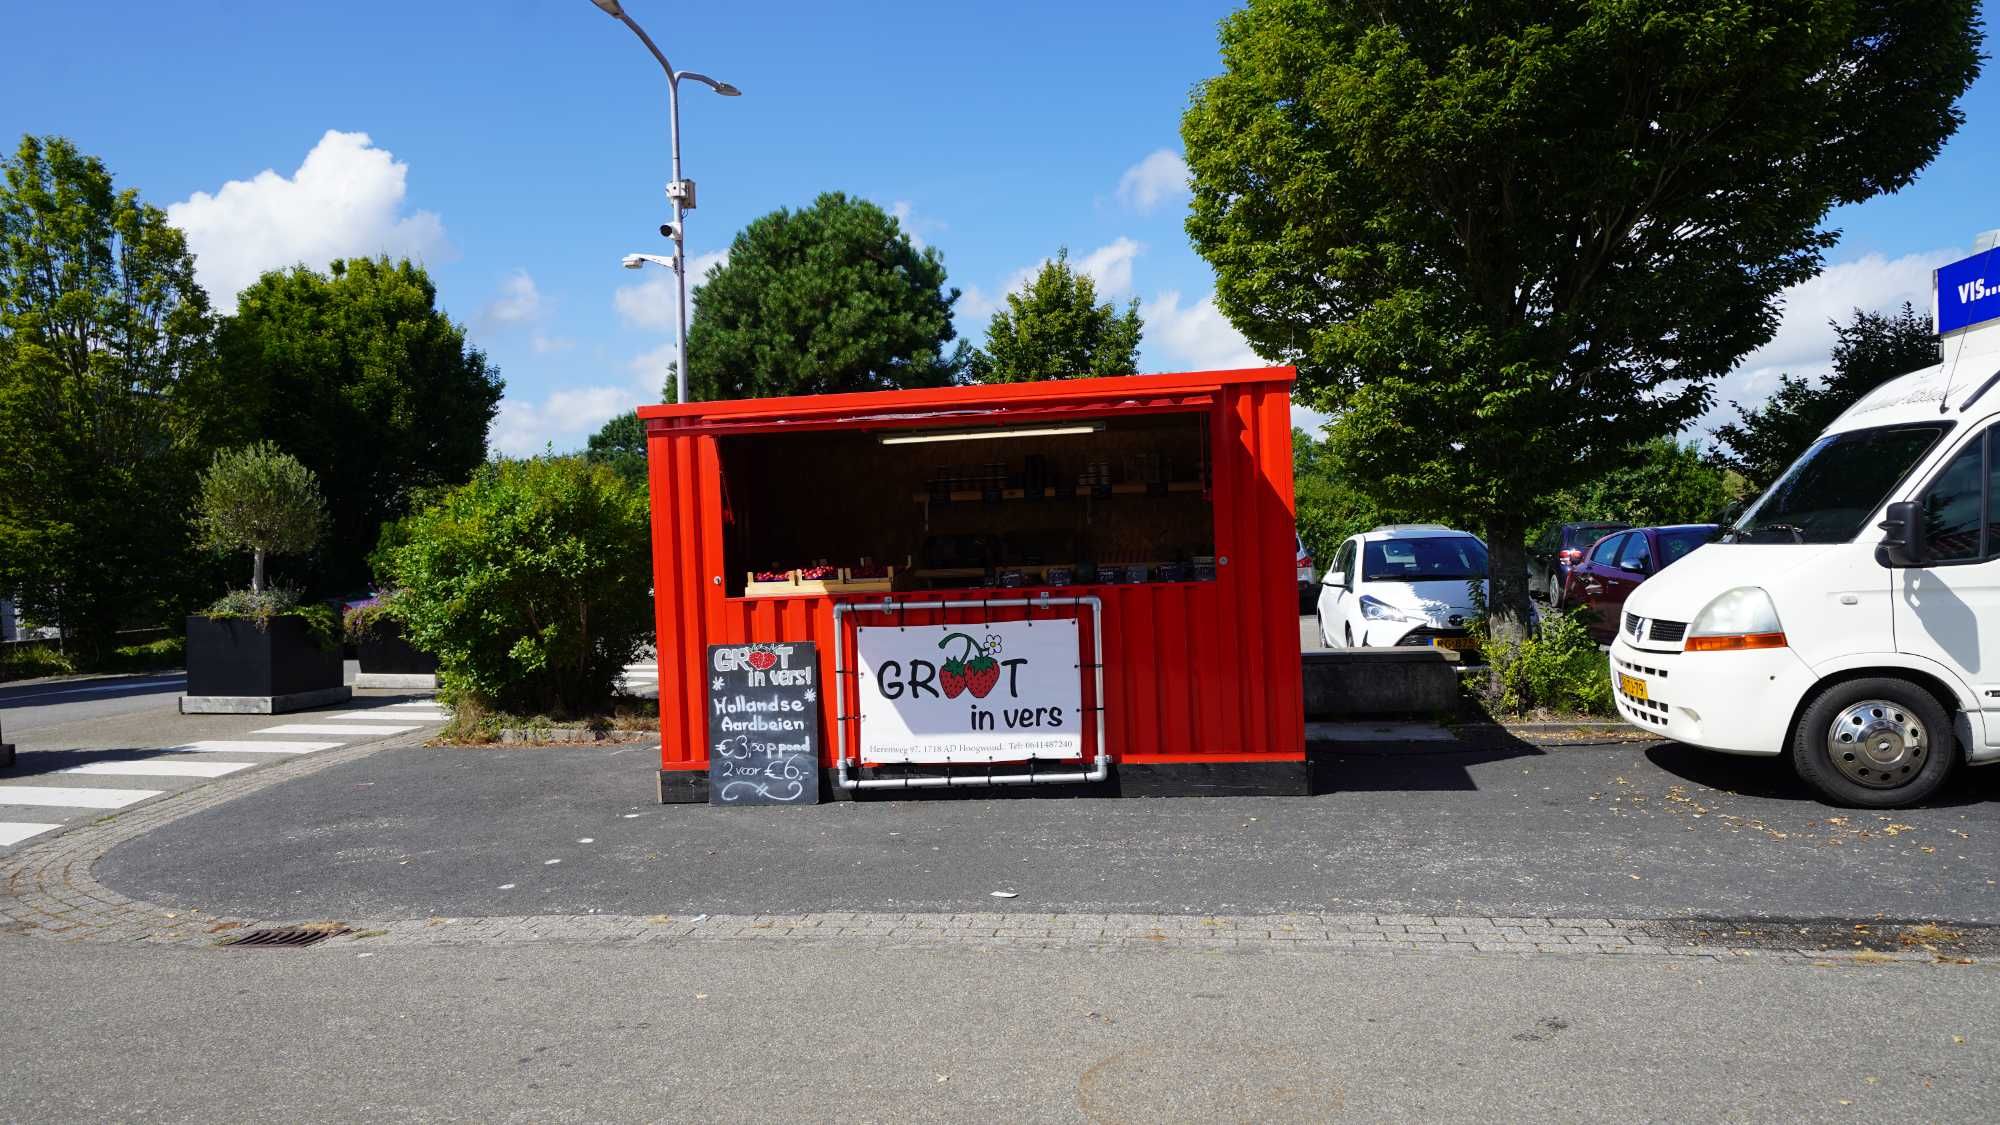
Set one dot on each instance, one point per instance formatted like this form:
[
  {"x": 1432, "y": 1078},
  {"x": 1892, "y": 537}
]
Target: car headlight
[
  {"x": 1738, "y": 619},
  {"x": 1375, "y": 609}
]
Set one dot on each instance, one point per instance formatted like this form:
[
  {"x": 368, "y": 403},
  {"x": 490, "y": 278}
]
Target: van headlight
[
  {"x": 1375, "y": 609},
  {"x": 1738, "y": 619}
]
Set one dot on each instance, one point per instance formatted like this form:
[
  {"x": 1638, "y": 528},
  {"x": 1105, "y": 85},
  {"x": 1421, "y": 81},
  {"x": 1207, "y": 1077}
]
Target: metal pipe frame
[{"x": 1100, "y": 767}]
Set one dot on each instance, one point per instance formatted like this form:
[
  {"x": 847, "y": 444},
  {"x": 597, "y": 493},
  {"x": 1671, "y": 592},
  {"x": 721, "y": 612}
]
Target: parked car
[
  {"x": 1870, "y": 658},
  {"x": 1560, "y": 548},
  {"x": 1402, "y": 586},
  {"x": 1308, "y": 589},
  {"x": 1615, "y": 565}
]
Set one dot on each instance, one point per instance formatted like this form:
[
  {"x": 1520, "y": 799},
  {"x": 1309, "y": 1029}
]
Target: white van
[{"x": 1851, "y": 618}]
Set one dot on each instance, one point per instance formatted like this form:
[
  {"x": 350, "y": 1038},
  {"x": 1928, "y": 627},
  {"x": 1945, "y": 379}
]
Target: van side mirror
[
  {"x": 1902, "y": 535},
  {"x": 1334, "y": 578}
]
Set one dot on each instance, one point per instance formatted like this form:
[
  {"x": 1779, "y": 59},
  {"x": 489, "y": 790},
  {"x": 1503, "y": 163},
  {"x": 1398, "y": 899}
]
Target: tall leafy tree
[
  {"x": 1507, "y": 241},
  {"x": 1055, "y": 329},
  {"x": 358, "y": 374},
  {"x": 621, "y": 444},
  {"x": 108, "y": 397},
  {"x": 1869, "y": 350},
  {"x": 1666, "y": 482},
  {"x": 833, "y": 297}
]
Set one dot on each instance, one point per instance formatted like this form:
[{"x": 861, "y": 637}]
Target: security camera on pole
[{"x": 680, "y": 192}]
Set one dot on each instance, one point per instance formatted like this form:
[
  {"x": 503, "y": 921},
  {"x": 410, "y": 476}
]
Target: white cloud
[
  {"x": 1804, "y": 341},
  {"x": 913, "y": 224},
  {"x": 549, "y": 345},
  {"x": 519, "y": 301},
  {"x": 1160, "y": 177},
  {"x": 1111, "y": 266},
  {"x": 566, "y": 418},
  {"x": 650, "y": 303},
  {"x": 1194, "y": 337},
  {"x": 345, "y": 200}
]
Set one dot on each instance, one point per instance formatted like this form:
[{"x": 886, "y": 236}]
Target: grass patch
[{"x": 472, "y": 724}]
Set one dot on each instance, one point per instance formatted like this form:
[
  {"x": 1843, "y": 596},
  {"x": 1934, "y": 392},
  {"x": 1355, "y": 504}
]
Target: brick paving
[{"x": 47, "y": 891}]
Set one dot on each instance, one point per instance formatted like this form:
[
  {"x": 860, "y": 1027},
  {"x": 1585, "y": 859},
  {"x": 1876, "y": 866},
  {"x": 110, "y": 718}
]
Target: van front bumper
[{"x": 1736, "y": 702}]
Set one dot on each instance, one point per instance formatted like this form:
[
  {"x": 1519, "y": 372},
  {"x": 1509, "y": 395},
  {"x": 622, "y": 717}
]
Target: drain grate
[{"x": 289, "y": 937}]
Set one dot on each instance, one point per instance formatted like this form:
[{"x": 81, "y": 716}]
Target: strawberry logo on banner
[{"x": 993, "y": 691}]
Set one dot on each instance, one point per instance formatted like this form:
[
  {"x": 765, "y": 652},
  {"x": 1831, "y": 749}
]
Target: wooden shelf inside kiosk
[{"x": 1125, "y": 488}]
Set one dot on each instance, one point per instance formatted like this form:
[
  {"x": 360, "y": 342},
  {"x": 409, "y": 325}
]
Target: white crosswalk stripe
[
  {"x": 334, "y": 728},
  {"x": 250, "y": 746},
  {"x": 15, "y": 831},
  {"x": 66, "y": 797},
  {"x": 385, "y": 716},
  {"x": 156, "y": 768}
]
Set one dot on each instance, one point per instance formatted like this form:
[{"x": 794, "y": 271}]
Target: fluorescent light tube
[{"x": 983, "y": 435}]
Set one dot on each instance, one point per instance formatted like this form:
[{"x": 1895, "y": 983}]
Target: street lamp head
[
  {"x": 723, "y": 88},
  {"x": 611, "y": 8},
  {"x": 635, "y": 261}
]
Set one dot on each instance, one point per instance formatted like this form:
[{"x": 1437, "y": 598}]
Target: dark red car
[{"x": 1616, "y": 564}]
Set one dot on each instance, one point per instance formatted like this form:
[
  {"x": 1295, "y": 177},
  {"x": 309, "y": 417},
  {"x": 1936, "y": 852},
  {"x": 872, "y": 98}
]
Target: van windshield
[{"x": 1835, "y": 486}]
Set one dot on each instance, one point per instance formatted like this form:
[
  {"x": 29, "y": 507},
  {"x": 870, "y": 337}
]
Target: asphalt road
[
  {"x": 835, "y": 1033},
  {"x": 1647, "y": 831},
  {"x": 46, "y": 703}
]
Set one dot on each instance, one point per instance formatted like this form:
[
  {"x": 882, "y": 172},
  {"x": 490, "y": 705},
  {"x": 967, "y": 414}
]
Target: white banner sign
[{"x": 996, "y": 691}]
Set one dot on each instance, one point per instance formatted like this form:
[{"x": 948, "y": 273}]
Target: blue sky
[{"x": 519, "y": 149}]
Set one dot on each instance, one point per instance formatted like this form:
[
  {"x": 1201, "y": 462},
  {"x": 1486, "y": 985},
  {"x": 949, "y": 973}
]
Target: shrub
[
  {"x": 170, "y": 652},
  {"x": 260, "y": 500},
  {"x": 361, "y": 623},
  {"x": 261, "y": 606},
  {"x": 31, "y": 660},
  {"x": 1557, "y": 669},
  {"x": 530, "y": 583}
]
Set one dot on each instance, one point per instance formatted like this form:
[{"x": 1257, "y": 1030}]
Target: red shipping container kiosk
[{"x": 1069, "y": 582}]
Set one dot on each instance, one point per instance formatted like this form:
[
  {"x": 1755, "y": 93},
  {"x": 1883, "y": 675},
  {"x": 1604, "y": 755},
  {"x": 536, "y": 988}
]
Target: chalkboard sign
[{"x": 763, "y": 724}]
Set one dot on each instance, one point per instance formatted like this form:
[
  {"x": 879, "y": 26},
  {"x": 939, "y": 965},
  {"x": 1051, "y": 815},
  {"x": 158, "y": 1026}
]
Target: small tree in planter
[
  {"x": 386, "y": 656},
  {"x": 259, "y": 650}
]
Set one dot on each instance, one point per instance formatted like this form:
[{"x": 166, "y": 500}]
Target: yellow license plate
[
  {"x": 1456, "y": 644},
  {"x": 1632, "y": 686}
]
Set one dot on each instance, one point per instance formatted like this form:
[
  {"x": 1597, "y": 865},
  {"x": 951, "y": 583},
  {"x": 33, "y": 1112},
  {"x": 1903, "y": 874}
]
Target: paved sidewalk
[{"x": 54, "y": 891}]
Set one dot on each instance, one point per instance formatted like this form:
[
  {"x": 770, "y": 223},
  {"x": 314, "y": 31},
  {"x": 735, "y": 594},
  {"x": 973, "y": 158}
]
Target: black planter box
[
  {"x": 386, "y": 651},
  {"x": 236, "y": 666}
]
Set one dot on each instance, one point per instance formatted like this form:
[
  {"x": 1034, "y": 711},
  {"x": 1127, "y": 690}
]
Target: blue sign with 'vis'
[{"x": 1968, "y": 291}]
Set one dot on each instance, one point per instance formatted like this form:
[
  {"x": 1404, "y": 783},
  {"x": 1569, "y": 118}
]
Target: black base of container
[
  {"x": 1216, "y": 779},
  {"x": 1179, "y": 779},
  {"x": 6, "y": 755}
]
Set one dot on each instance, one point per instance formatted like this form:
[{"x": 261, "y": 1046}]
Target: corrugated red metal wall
[{"x": 1194, "y": 671}]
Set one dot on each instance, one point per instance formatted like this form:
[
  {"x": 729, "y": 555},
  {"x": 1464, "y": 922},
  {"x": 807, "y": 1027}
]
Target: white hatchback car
[{"x": 1402, "y": 586}]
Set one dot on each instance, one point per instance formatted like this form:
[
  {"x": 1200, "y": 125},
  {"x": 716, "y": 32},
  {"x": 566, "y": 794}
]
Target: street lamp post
[{"x": 680, "y": 192}]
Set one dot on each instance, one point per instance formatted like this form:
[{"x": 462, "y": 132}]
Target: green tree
[
  {"x": 359, "y": 375},
  {"x": 262, "y": 500},
  {"x": 109, "y": 398},
  {"x": 1869, "y": 350},
  {"x": 1666, "y": 482},
  {"x": 531, "y": 583},
  {"x": 1330, "y": 505},
  {"x": 621, "y": 444},
  {"x": 830, "y": 298},
  {"x": 1055, "y": 329},
  {"x": 1506, "y": 242}
]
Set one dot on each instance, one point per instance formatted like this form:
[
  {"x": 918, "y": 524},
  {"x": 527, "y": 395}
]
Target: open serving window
[{"x": 1110, "y": 501}]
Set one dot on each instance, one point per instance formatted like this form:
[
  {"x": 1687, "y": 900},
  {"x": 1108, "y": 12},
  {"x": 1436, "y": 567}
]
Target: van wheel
[
  {"x": 1878, "y": 743},
  {"x": 1555, "y": 592}
]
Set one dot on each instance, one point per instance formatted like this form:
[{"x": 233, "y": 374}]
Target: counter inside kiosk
[{"x": 1077, "y": 582}]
